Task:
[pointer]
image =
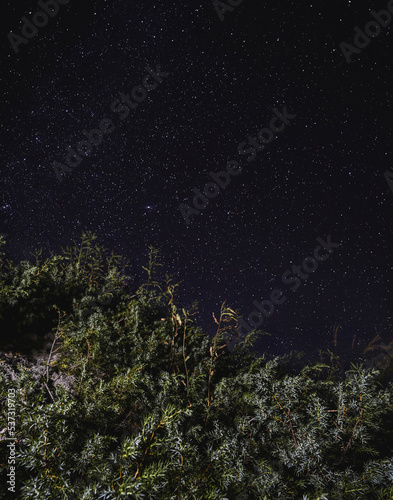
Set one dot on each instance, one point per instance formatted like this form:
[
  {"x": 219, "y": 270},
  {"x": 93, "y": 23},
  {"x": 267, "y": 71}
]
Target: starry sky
[{"x": 226, "y": 73}]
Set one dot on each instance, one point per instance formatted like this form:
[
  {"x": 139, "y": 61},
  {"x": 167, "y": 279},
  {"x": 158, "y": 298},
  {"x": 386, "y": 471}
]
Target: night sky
[{"x": 221, "y": 83}]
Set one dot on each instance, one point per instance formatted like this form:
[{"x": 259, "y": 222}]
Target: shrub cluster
[{"x": 133, "y": 400}]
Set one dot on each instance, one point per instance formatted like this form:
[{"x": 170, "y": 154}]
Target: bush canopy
[{"x": 111, "y": 391}]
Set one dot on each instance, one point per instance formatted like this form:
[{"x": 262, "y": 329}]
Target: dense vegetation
[{"x": 119, "y": 394}]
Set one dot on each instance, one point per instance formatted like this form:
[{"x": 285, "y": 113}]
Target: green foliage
[{"x": 134, "y": 401}]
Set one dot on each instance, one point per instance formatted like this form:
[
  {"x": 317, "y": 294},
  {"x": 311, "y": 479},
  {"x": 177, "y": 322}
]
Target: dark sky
[{"x": 322, "y": 174}]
